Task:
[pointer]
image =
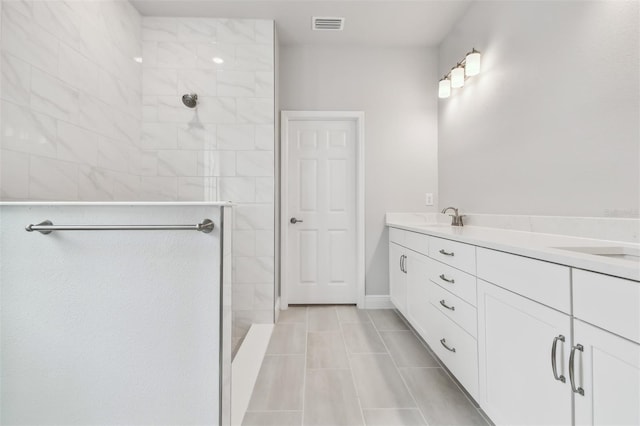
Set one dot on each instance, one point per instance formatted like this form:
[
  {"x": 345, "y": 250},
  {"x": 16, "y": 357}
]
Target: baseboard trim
[
  {"x": 377, "y": 302},
  {"x": 245, "y": 368}
]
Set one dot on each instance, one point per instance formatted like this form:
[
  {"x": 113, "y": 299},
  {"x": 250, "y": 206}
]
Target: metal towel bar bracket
[{"x": 47, "y": 227}]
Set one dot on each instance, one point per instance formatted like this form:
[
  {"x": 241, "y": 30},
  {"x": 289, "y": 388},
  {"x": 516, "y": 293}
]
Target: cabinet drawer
[
  {"x": 457, "y": 282},
  {"x": 411, "y": 240},
  {"x": 607, "y": 302},
  {"x": 456, "y": 309},
  {"x": 417, "y": 242},
  {"x": 544, "y": 282},
  {"x": 463, "y": 363},
  {"x": 397, "y": 235},
  {"x": 459, "y": 255}
]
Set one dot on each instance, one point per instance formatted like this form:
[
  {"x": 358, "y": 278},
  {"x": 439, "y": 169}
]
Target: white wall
[
  {"x": 71, "y": 102},
  {"x": 120, "y": 327},
  {"x": 550, "y": 126},
  {"x": 396, "y": 88}
]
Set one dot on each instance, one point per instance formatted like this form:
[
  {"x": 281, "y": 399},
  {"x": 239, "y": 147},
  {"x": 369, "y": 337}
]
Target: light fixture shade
[
  {"x": 457, "y": 77},
  {"x": 444, "y": 88},
  {"x": 472, "y": 63}
]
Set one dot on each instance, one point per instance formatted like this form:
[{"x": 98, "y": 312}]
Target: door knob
[{"x": 294, "y": 220}]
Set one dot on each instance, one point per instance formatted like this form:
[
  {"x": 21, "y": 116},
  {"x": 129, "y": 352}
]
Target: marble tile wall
[
  {"x": 71, "y": 102},
  {"x": 224, "y": 148}
]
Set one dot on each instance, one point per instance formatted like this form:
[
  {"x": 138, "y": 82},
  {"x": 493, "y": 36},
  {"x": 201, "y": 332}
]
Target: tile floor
[{"x": 337, "y": 365}]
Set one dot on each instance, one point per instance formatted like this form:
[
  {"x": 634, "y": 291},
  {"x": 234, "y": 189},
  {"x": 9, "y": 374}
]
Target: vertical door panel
[
  {"x": 337, "y": 255},
  {"x": 515, "y": 337},
  {"x": 337, "y": 189},
  {"x": 308, "y": 172},
  {"x": 397, "y": 277},
  {"x": 308, "y": 257},
  {"x": 608, "y": 371}
]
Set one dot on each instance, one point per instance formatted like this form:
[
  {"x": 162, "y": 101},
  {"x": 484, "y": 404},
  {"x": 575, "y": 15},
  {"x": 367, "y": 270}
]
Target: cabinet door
[
  {"x": 419, "y": 311},
  {"x": 608, "y": 371},
  {"x": 397, "y": 277},
  {"x": 515, "y": 339}
]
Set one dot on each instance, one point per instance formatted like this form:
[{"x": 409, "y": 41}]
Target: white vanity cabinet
[
  {"x": 398, "y": 276},
  {"x": 437, "y": 298},
  {"x": 606, "y": 378},
  {"x": 535, "y": 342},
  {"x": 419, "y": 312},
  {"x": 606, "y": 352},
  {"x": 404, "y": 252},
  {"x": 524, "y": 333},
  {"x": 516, "y": 337}
]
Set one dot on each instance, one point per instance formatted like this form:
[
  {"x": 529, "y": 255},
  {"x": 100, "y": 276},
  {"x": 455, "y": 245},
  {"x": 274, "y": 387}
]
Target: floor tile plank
[
  {"x": 394, "y": 417},
  {"x": 330, "y": 399},
  {"x": 287, "y": 339},
  {"x": 279, "y": 384},
  {"x": 439, "y": 399},
  {"x": 378, "y": 382},
  {"x": 322, "y": 318},
  {"x": 326, "y": 350},
  {"x": 352, "y": 314},
  {"x": 362, "y": 338},
  {"x": 387, "y": 320},
  {"x": 272, "y": 418},
  {"x": 406, "y": 350}
]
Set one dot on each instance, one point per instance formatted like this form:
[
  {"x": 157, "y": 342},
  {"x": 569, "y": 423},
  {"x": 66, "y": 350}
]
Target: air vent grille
[{"x": 327, "y": 23}]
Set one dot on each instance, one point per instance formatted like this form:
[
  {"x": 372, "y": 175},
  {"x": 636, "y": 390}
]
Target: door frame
[{"x": 287, "y": 117}]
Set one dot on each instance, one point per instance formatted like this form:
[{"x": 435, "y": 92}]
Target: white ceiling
[{"x": 367, "y": 22}]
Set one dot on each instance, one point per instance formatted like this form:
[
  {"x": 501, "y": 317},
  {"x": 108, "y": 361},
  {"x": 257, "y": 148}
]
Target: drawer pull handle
[
  {"x": 447, "y": 253},
  {"x": 451, "y": 308},
  {"x": 572, "y": 378},
  {"x": 449, "y": 280},
  {"x": 554, "y": 367},
  {"x": 443, "y": 342}
]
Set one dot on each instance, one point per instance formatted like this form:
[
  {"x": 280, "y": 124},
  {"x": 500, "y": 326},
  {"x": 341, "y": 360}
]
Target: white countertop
[{"x": 535, "y": 245}]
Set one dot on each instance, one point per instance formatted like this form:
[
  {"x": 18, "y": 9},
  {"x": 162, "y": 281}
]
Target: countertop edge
[{"x": 575, "y": 260}]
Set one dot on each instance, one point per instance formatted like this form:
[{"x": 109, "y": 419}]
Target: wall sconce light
[{"x": 455, "y": 78}]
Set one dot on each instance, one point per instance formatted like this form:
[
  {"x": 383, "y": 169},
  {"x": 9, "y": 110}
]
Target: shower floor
[{"x": 337, "y": 365}]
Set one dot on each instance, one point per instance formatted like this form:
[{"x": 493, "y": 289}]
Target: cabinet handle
[
  {"x": 447, "y": 253},
  {"x": 449, "y": 280},
  {"x": 575, "y": 389},
  {"x": 451, "y": 308},
  {"x": 401, "y": 262},
  {"x": 554, "y": 367},
  {"x": 443, "y": 342}
]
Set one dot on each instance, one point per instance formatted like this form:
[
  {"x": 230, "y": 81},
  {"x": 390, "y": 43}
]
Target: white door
[
  {"x": 320, "y": 212},
  {"x": 515, "y": 342},
  {"x": 607, "y": 369}
]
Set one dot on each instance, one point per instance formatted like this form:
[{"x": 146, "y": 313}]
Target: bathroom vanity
[{"x": 538, "y": 328}]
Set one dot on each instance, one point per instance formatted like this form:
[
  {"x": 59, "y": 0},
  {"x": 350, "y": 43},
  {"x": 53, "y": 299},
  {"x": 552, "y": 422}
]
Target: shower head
[{"x": 190, "y": 100}]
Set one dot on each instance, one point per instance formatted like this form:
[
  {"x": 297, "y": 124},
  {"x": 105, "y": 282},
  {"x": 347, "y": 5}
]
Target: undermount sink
[{"x": 624, "y": 253}]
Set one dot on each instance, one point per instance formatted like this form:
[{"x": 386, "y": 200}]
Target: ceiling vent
[{"x": 323, "y": 23}]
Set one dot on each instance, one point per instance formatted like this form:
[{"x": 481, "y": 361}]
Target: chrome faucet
[{"x": 456, "y": 219}]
